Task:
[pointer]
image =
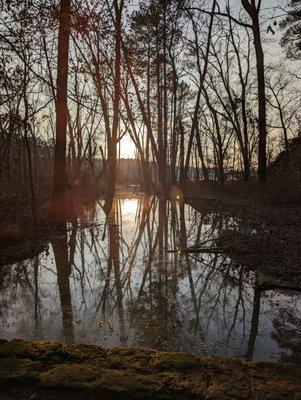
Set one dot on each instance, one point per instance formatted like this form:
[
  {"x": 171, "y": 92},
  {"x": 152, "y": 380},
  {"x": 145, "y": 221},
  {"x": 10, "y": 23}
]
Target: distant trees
[
  {"x": 284, "y": 102},
  {"x": 21, "y": 147},
  {"x": 156, "y": 34},
  {"x": 188, "y": 84},
  {"x": 229, "y": 94},
  {"x": 202, "y": 71}
]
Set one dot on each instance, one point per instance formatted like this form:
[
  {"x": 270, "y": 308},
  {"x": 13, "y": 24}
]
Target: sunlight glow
[
  {"x": 129, "y": 207},
  {"x": 127, "y": 148},
  {"x": 176, "y": 194}
]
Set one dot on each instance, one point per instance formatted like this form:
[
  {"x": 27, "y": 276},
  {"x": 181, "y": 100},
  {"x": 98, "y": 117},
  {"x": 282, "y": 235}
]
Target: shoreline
[{"x": 42, "y": 370}]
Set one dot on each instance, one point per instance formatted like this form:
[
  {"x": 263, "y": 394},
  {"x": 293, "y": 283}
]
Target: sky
[
  {"x": 271, "y": 11},
  {"x": 127, "y": 148}
]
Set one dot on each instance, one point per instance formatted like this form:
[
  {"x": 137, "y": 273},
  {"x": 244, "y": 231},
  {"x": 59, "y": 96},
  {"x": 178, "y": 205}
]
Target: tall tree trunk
[
  {"x": 165, "y": 105},
  {"x": 244, "y": 139},
  {"x": 183, "y": 172},
  {"x": 30, "y": 166},
  {"x": 58, "y": 203},
  {"x": 253, "y": 12},
  {"x": 160, "y": 127},
  {"x": 113, "y": 139},
  {"x": 262, "y": 125},
  {"x": 201, "y": 154},
  {"x": 284, "y": 128}
]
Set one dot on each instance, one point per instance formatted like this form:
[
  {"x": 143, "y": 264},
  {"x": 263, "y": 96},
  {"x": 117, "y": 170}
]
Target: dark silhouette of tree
[
  {"x": 253, "y": 11},
  {"x": 58, "y": 204},
  {"x": 291, "y": 25},
  {"x": 113, "y": 138},
  {"x": 63, "y": 268}
]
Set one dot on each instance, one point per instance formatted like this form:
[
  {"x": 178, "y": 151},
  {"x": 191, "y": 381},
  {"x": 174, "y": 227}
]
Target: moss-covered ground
[{"x": 52, "y": 370}]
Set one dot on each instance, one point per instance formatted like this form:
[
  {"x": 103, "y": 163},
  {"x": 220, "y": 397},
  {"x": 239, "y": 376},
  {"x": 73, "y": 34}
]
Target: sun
[{"x": 127, "y": 148}]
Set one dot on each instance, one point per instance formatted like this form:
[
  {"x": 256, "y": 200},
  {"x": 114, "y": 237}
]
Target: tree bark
[
  {"x": 253, "y": 12},
  {"x": 58, "y": 203},
  {"x": 113, "y": 139},
  {"x": 262, "y": 126}
]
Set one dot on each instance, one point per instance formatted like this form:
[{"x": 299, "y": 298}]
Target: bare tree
[
  {"x": 58, "y": 203},
  {"x": 113, "y": 138},
  {"x": 284, "y": 100}
]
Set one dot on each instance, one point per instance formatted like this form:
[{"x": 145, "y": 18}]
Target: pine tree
[{"x": 291, "y": 25}]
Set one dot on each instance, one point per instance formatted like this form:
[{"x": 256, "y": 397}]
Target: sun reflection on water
[
  {"x": 129, "y": 207},
  {"x": 125, "y": 280}
]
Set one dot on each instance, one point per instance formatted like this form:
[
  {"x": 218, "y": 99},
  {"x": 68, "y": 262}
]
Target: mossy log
[{"x": 52, "y": 370}]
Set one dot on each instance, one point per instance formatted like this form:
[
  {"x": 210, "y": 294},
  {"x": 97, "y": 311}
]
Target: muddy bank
[
  {"x": 21, "y": 237},
  {"x": 264, "y": 238},
  {"x": 43, "y": 370}
]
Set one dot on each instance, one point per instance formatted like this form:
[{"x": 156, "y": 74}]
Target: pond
[{"x": 126, "y": 280}]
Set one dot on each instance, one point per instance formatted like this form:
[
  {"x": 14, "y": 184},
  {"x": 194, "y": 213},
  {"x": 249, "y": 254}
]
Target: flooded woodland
[
  {"x": 150, "y": 199},
  {"x": 151, "y": 275}
]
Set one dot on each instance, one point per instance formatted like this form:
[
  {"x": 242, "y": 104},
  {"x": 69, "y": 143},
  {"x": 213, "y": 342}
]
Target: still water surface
[{"x": 123, "y": 281}]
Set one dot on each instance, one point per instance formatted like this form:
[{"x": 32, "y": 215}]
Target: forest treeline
[{"x": 199, "y": 85}]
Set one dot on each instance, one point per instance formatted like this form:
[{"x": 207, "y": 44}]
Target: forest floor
[
  {"x": 52, "y": 370},
  {"x": 266, "y": 236}
]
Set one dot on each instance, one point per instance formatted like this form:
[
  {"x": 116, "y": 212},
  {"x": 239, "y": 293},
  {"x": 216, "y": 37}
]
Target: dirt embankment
[
  {"x": 51, "y": 370},
  {"x": 262, "y": 236}
]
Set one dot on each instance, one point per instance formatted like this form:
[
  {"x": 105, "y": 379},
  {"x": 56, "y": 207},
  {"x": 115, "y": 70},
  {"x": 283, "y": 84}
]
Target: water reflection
[
  {"x": 63, "y": 269},
  {"x": 123, "y": 280}
]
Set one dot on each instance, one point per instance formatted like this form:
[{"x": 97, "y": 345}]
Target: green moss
[
  {"x": 69, "y": 376},
  {"x": 12, "y": 369},
  {"x": 81, "y": 353},
  {"x": 143, "y": 374},
  {"x": 51, "y": 351},
  {"x": 128, "y": 382},
  {"x": 133, "y": 384},
  {"x": 230, "y": 390},
  {"x": 184, "y": 362},
  {"x": 272, "y": 390},
  {"x": 226, "y": 366},
  {"x": 271, "y": 381},
  {"x": 31, "y": 350},
  {"x": 90, "y": 378},
  {"x": 127, "y": 357},
  {"x": 228, "y": 379},
  {"x": 267, "y": 371},
  {"x": 191, "y": 384}
]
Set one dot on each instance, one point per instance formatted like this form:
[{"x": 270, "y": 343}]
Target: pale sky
[{"x": 271, "y": 9}]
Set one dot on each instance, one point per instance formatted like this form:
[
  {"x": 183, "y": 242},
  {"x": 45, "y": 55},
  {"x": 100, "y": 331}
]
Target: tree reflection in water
[
  {"x": 124, "y": 280},
  {"x": 63, "y": 268}
]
